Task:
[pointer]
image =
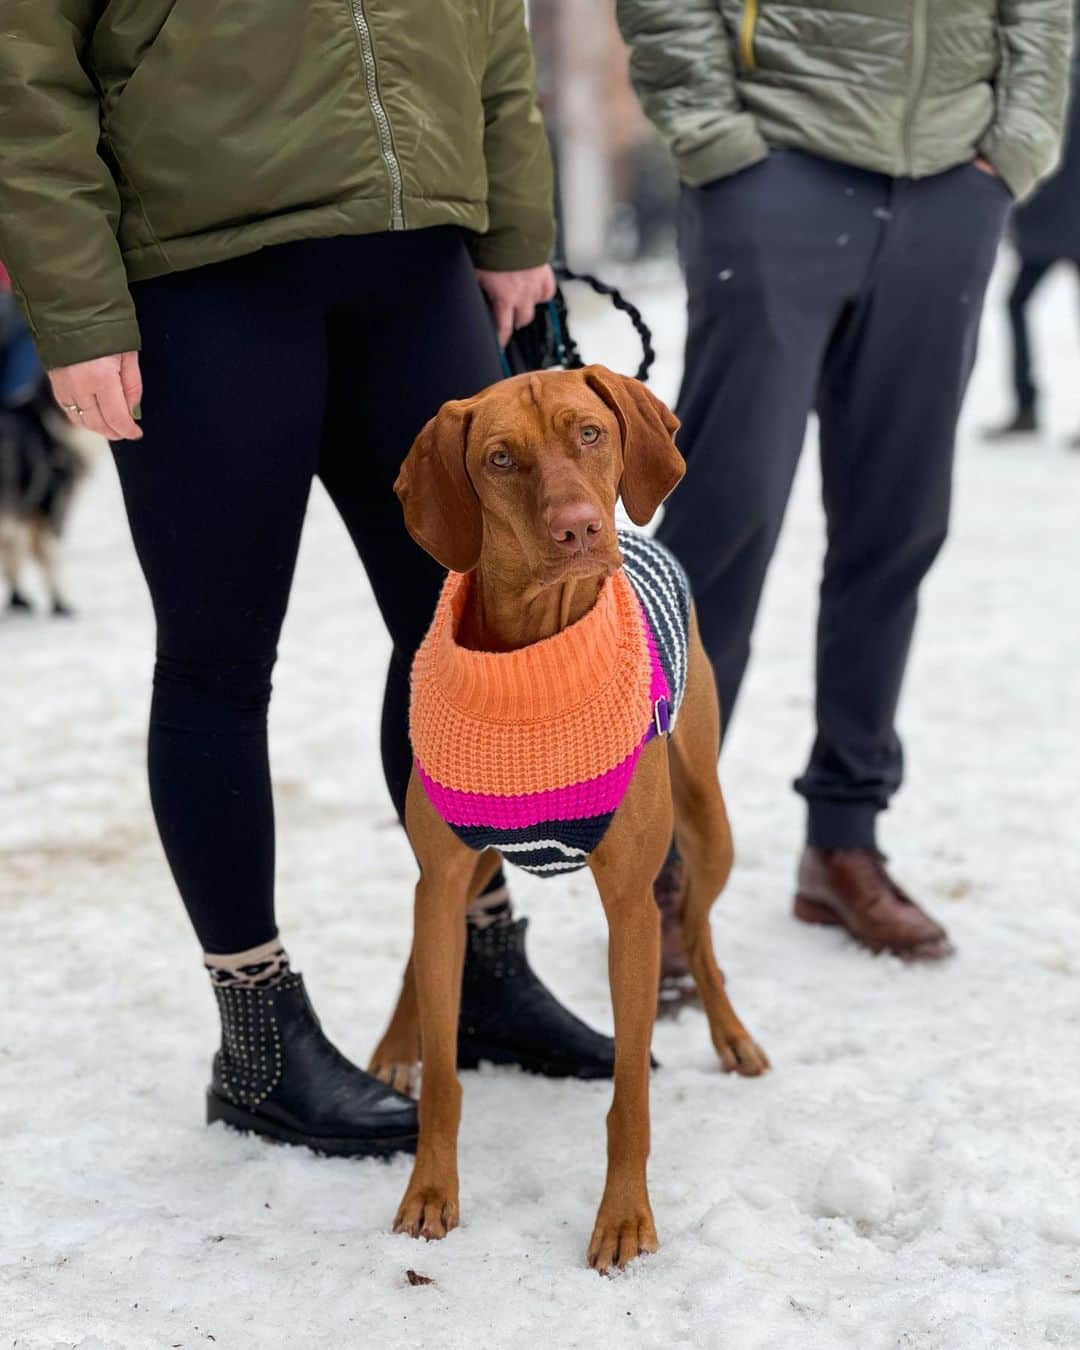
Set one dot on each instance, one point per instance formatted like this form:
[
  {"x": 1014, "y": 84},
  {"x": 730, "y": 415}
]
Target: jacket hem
[
  {"x": 1014, "y": 166},
  {"x": 742, "y": 146},
  {"x": 359, "y": 215}
]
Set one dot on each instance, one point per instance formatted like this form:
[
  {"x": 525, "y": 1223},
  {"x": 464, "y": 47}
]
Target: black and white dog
[{"x": 42, "y": 459}]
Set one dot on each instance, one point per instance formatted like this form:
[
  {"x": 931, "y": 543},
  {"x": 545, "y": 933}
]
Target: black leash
[
  {"x": 547, "y": 342},
  {"x": 624, "y": 306}
]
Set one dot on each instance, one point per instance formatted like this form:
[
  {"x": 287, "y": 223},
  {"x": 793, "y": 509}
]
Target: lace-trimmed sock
[
  {"x": 258, "y": 968},
  {"x": 493, "y": 908}
]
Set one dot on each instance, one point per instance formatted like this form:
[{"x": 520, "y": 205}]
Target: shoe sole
[
  {"x": 477, "y": 1053},
  {"x": 217, "y": 1108},
  {"x": 813, "y": 911}
]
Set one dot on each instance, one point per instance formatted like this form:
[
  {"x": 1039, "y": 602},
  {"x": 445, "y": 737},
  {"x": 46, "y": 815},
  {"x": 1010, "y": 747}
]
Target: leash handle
[{"x": 571, "y": 356}]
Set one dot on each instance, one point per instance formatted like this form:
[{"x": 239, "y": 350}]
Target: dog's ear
[
  {"x": 442, "y": 510},
  {"x": 652, "y": 466}
]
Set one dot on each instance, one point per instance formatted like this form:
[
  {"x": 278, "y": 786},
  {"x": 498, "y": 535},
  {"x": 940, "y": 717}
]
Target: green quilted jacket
[
  {"x": 903, "y": 87},
  {"x": 139, "y": 137}
]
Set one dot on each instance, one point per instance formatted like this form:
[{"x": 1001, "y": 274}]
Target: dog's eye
[
  {"x": 501, "y": 459},
  {"x": 590, "y": 435}
]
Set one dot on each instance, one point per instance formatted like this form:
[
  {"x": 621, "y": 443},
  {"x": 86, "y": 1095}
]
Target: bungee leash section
[{"x": 546, "y": 342}]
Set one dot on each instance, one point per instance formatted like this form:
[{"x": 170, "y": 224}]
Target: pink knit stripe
[
  {"x": 594, "y": 797},
  {"x": 578, "y": 801}
]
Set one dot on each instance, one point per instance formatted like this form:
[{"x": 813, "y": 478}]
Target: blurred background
[{"x": 617, "y": 187}]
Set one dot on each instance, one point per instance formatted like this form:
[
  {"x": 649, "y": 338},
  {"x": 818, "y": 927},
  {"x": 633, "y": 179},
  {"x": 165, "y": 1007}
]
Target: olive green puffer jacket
[
  {"x": 139, "y": 137},
  {"x": 903, "y": 87}
]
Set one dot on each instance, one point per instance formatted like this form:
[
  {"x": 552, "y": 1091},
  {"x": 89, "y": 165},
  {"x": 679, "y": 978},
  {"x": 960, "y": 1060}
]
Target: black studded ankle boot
[
  {"x": 509, "y": 1017},
  {"x": 278, "y": 1075}
]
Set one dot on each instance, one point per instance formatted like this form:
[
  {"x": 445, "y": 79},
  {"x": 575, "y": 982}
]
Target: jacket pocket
[{"x": 747, "y": 30}]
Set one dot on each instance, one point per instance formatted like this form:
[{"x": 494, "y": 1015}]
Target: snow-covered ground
[{"x": 906, "y": 1177}]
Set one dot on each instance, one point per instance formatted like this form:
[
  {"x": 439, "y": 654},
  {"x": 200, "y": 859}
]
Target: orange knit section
[{"x": 556, "y": 713}]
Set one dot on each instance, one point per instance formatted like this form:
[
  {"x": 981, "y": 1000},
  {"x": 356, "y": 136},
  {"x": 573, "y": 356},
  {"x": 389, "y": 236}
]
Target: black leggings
[{"x": 321, "y": 357}]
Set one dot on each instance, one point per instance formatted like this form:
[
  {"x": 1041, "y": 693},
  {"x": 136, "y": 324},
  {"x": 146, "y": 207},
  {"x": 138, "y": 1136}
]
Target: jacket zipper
[
  {"x": 382, "y": 122},
  {"x": 746, "y": 34},
  {"x": 918, "y": 74}
]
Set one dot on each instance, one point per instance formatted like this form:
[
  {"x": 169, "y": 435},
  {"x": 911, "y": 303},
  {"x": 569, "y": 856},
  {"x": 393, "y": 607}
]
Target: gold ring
[{"x": 72, "y": 408}]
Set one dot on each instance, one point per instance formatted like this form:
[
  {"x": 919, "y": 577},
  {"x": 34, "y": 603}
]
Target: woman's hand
[
  {"x": 100, "y": 395},
  {"x": 515, "y": 295}
]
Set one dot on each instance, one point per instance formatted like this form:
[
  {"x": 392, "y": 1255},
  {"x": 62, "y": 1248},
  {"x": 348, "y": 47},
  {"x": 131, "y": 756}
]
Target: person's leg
[
  {"x": 890, "y": 398},
  {"x": 422, "y": 335},
  {"x": 771, "y": 257},
  {"x": 215, "y": 495},
  {"x": 1024, "y": 419},
  {"x": 1030, "y": 274},
  {"x": 415, "y": 334},
  {"x": 418, "y": 335},
  {"x": 234, "y": 368},
  {"x": 414, "y": 370}
]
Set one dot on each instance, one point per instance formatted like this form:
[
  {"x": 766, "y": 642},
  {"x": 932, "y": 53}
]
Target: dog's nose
[{"x": 575, "y": 527}]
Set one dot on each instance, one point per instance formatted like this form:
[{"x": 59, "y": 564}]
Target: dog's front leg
[
  {"x": 624, "y": 1224},
  {"x": 430, "y": 1205},
  {"x": 625, "y": 866}
]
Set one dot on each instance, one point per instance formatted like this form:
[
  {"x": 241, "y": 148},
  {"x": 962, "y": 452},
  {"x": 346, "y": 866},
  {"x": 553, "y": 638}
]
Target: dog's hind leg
[
  {"x": 12, "y": 538},
  {"x": 703, "y": 837},
  {"x": 396, "y": 1059}
]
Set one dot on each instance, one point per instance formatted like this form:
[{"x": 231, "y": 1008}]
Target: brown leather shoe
[
  {"x": 850, "y": 886},
  {"x": 677, "y": 987}
]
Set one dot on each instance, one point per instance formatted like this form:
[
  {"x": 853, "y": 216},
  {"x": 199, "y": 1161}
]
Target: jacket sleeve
[
  {"x": 520, "y": 195},
  {"x": 59, "y": 206},
  {"x": 1024, "y": 140},
  {"x": 683, "y": 69}
]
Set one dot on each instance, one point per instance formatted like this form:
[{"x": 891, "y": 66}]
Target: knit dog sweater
[{"x": 530, "y": 752}]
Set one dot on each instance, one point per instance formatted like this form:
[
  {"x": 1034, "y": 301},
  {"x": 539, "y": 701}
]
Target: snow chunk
[{"x": 850, "y": 1188}]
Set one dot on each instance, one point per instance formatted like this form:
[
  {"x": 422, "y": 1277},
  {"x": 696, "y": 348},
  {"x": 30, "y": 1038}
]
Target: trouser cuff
[{"x": 832, "y": 824}]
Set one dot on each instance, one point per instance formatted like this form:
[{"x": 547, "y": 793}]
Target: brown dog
[{"x": 520, "y": 483}]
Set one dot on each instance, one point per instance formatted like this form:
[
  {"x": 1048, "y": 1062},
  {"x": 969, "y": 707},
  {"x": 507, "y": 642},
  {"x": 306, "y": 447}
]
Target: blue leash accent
[{"x": 557, "y": 330}]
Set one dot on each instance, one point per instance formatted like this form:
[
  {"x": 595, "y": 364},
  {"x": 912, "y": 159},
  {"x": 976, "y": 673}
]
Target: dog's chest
[{"x": 532, "y": 752}]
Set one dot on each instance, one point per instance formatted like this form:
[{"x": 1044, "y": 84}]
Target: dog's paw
[
  {"x": 621, "y": 1237},
  {"x": 401, "y": 1075},
  {"x": 742, "y": 1055},
  {"x": 396, "y": 1060},
  {"x": 428, "y": 1211},
  {"x": 676, "y": 993}
]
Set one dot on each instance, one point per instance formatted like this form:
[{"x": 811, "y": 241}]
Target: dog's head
[{"x": 529, "y": 471}]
